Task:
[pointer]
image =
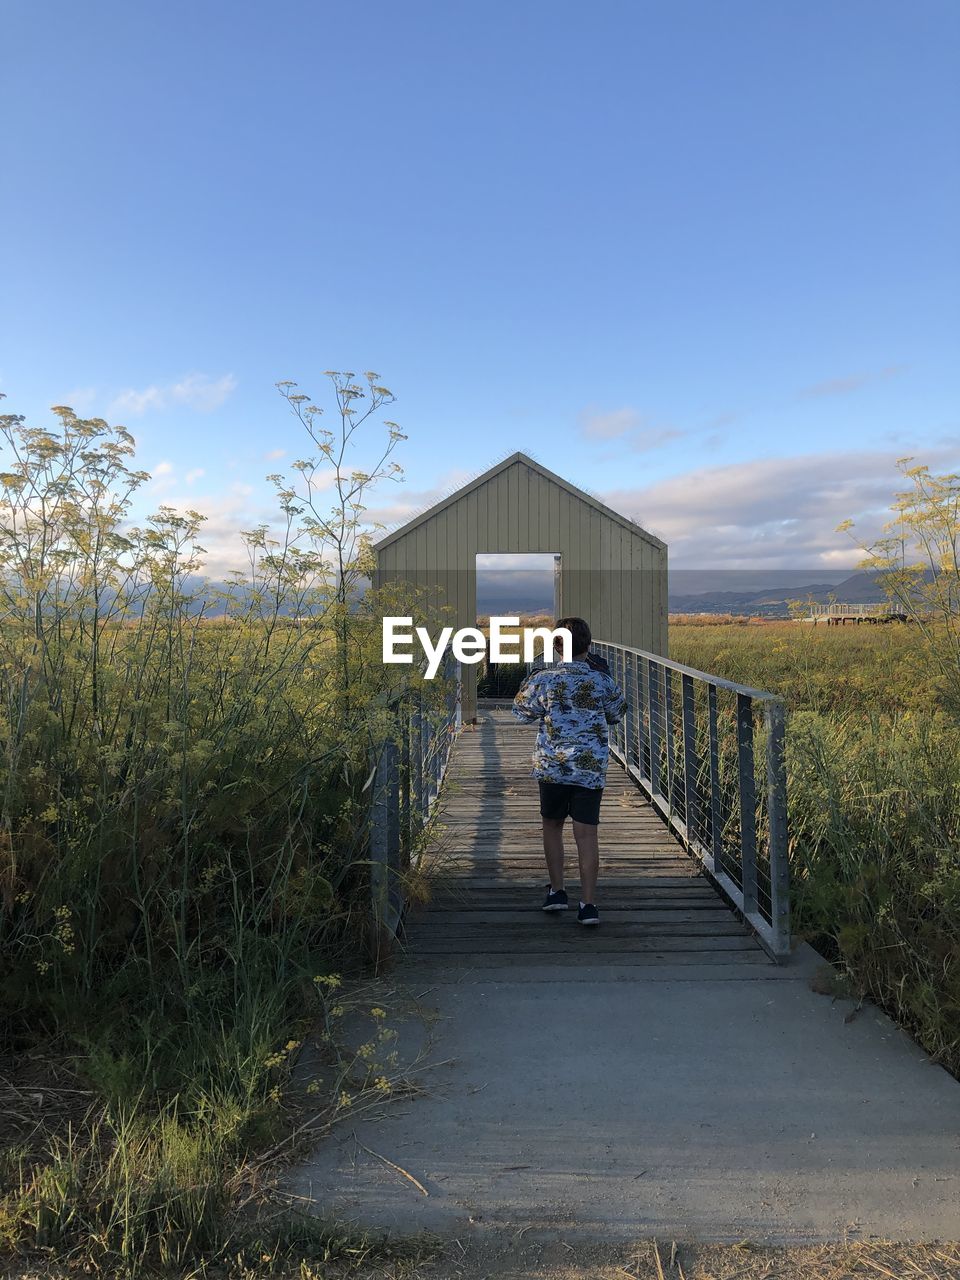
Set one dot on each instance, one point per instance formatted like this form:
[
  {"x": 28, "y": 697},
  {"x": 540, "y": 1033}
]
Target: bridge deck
[
  {"x": 667, "y": 1086},
  {"x": 656, "y": 908}
]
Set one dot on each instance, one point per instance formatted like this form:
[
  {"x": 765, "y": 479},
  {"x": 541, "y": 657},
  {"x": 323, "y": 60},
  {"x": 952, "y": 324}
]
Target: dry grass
[
  {"x": 651, "y": 1260},
  {"x": 516, "y": 1259},
  {"x": 648, "y": 1260}
]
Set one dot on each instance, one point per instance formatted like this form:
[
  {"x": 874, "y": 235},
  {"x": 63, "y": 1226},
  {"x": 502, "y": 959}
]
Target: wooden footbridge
[
  {"x": 656, "y": 907},
  {"x": 693, "y": 843},
  {"x": 693, "y": 825}
]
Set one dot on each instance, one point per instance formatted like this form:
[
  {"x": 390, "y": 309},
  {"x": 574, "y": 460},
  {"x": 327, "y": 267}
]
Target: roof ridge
[{"x": 488, "y": 473}]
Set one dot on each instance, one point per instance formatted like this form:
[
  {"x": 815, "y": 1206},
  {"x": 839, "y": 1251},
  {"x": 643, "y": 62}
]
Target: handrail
[
  {"x": 410, "y": 766},
  {"x": 839, "y": 608},
  {"x": 758, "y": 694},
  {"x": 691, "y": 750}
]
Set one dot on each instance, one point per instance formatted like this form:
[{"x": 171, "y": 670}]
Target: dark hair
[{"x": 579, "y": 633}]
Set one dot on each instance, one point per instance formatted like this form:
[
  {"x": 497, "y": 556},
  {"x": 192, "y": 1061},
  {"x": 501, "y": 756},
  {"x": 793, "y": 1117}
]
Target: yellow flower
[{"x": 328, "y": 980}]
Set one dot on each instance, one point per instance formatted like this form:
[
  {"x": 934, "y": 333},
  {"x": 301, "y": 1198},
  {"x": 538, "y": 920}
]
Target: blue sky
[{"x": 699, "y": 257}]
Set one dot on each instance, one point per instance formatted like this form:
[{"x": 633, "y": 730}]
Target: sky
[{"x": 699, "y": 258}]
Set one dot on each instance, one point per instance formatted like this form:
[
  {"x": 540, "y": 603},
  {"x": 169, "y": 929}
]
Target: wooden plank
[
  {"x": 577, "y": 936},
  {"x": 487, "y": 899},
  {"x": 512, "y": 967},
  {"x": 488, "y": 874},
  {"x": 522, "y": 928},
  {"x": 455, "y": 916},
  {"x": 511, "y": 881}
]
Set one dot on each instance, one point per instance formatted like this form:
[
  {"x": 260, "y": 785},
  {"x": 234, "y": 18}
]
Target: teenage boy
[{"x": 574, "y": 703}]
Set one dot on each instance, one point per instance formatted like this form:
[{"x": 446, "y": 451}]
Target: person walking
[{"x": 574, "y": 703}]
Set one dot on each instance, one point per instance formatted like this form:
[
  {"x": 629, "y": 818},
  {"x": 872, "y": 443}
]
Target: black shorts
[{"x": 563, "y": 799}]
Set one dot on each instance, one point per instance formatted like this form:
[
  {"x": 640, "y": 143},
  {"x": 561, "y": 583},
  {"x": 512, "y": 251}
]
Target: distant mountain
[
  {"x": 746, "y": 601},
  {"x": 697, "y": 582},
  {"x": 865, "y": 587},
  {"x": 742, "y": 592}
]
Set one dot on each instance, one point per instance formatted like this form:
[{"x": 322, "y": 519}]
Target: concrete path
[{"x": 707, "y": 1095}]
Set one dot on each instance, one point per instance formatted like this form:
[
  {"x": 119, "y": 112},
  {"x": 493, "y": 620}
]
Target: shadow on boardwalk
[{"x": 659, "y": 1076}]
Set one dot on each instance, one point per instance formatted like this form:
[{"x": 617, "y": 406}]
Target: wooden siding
[{"x": 613, "y": 573}]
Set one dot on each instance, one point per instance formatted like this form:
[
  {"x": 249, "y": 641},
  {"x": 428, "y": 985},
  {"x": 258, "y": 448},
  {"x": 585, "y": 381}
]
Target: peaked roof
[{"x": 513, "y": 460}]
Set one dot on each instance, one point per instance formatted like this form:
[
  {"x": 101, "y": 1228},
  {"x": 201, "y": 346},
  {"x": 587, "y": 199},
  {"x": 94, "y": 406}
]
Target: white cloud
[
  {"x": 850, "y": 382},
  {"x": 196, "y": 391},
  {"x": 203, "y": 393},
  {"x": 80, "y": 399},
  {"x": 627, "y": 425},
  {"x": 226, "y": 515},
  {"x": 840, "y": 559},
  {"x": 162, "y": 478},
  {"x": 193, "y": 475},
  {"x": 609, "y": 426},
  {"x": 275, "y": 453},
  {"x": 137, "y": 402},
  {"x": 774, "y": 512}
]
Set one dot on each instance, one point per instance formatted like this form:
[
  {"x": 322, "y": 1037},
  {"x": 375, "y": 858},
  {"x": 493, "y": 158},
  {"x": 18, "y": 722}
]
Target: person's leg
[
  {"x": 588, "y": 849},
  {"x": 554, "y": 807},
  {"x": 553, "y": 850},
  {"x": 585, "y": 812}
]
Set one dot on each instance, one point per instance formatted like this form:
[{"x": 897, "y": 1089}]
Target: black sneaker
[
  {"x": 588, "y": 914},
  {"x": 555, "y": 901}
]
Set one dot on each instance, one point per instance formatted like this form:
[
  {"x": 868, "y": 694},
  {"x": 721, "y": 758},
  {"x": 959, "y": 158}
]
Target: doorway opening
[{"x": 524, "y": 585}]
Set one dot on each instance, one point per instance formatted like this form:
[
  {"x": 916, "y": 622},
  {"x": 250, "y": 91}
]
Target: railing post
[
  {"x": 643, "y": 742},
  {"x": 433, "y": 762},
  {"x": 417, "y": 752},
  {"x": 656, "y": 724},
  {"x": 688, "y": 713},
  {"x": 716, "y": 817},
  {"x": 668, "y": 735},
  {"x": 626, "y": 667},
  {"x": 405, "y": 814},
  {"x": 777, "y": 818},
  {"x": 384, "y": 850},
  {"x": 748, "y": 803}
]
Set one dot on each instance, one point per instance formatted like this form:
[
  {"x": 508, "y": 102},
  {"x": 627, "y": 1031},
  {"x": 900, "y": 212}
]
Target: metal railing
[
  {"x": 839, "y": 609},
  {"x": 406, "y": 778},
  {"x": 836, "y": 611},
  {"x": 709, "y": 754}
]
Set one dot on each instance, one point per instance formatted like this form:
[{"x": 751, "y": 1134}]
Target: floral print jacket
[{"x": 574, "y": 705}]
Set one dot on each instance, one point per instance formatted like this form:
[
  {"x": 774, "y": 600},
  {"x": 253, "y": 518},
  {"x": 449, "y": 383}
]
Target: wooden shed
[{"x": 611, "y": 572}]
